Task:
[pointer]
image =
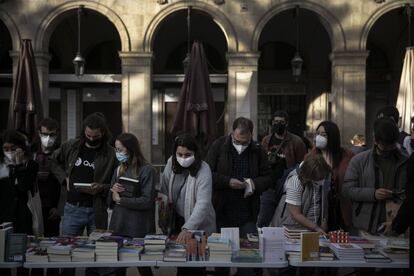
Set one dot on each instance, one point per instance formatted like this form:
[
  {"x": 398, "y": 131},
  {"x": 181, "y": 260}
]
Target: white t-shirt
[{"x": 407, "y": 144}]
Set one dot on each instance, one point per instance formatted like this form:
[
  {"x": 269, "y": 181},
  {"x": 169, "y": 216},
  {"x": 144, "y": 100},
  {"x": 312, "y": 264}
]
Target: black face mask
[
  {"x": 278, "y": 128},
  {"x": 94, "y": 143},
  {"x": 385, "y": 153}
]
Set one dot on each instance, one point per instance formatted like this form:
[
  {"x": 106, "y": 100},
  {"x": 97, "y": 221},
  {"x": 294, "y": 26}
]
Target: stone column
[
  {"x": 348, "y": 95},
  {"x": 242, "y": 88},
  {"x": 136, "y": 97}
]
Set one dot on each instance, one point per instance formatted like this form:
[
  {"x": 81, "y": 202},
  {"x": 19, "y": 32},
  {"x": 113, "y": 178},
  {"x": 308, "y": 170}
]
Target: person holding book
[
  {"x": 132, "y": 193},
  {"x": 305, "y": 204},
  {"x": 187, "y": 181}
]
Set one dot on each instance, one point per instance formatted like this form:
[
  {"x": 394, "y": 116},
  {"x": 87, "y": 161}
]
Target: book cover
[
  {"x": 309, "y": 246},
  {"x": 130, "y": 185}
]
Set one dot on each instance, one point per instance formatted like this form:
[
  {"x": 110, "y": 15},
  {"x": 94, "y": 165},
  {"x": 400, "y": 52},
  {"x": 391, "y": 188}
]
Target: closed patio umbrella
[
  {"x": 25, "y": 108},
  {"x": 405, "y": 101},
  {"x": 196, "y": 111}
]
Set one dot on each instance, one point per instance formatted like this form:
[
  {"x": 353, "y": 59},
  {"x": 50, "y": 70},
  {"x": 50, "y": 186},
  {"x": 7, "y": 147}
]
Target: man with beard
[{"x": 88, "y": 159}]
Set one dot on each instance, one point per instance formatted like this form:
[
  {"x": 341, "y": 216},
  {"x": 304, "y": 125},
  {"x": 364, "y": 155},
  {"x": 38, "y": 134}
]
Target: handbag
[{"x": 35, "y": 206}]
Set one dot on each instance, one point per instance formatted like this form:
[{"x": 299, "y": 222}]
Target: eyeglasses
[
  {"x": 44, "y": 134},
  {"x": 283, "y": 122},
  {"x": 120, "y": 150},
  {"x": 245, "y": 143}
]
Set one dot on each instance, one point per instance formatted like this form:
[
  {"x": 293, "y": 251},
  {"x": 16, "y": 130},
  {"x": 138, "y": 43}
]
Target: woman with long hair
[
  {"x": 133, "y": 206},
  {"x": 328, "y": 144},
  {"x": 187, "y": 181}
]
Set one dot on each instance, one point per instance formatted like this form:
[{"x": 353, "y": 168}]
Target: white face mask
[
  {"x": 240, "y": 148},
  {"x": 10, "y": 156},
  {"x": 321, "y": 142},
  {"x": 185, "y": 162},
  {"x": 47, "y": 141}
]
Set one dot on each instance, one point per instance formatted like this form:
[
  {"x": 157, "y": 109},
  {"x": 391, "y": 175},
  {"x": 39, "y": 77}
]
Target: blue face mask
[{"x": 122, "y": 157}]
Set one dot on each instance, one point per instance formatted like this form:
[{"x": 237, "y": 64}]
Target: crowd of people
[{"x": 240, "y": 183}]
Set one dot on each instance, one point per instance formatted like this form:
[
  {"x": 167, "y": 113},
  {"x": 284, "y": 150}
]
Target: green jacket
[{"x": 63, "y": 160}]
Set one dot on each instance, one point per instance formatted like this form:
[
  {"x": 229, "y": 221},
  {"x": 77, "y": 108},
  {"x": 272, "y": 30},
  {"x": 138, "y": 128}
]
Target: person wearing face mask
[
  {"x": 328, "y": 144},
  {"x": 187, "y": 182},
  {"x": 305, "y": 201},
  {"x": 375, "y": 176},
  {"x": 87, "y": 159},
  {"x": 238, "y": 163},
  {"x": 283, "y": 142},
  {"x": 49, "y": 187},
  {"x": 132, "y": 216},
  {"x": 17, "y": 175}
]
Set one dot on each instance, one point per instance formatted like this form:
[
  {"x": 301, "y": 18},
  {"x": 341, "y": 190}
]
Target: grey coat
[
  {"x": 203, "y": 216},
  {"x": 135, "y": 216},
  {"x": 360, "y": 185}
]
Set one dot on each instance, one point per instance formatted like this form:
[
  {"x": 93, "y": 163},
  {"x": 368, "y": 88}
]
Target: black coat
[
  {"x": 13, "y": 196},
  {"x": 220, "y": 160},
  {"x": 405, "y": 216}
]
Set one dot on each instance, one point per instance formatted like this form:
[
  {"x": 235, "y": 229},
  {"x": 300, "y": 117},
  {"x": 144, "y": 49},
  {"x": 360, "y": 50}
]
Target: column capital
[
  {"x": 136, "y": 58},
  {"x": 349, "y": 57},
  {"x": 243, "y": 58}
]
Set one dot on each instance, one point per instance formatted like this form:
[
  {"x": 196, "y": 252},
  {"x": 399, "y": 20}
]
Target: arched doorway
[
  {"x": 170, "y": 47},
  {"x": 99, "y": 90},
  {"x": 305, "y": 99},
  {"x": 386, "y": 43},
  {"x": 6, "y": 81}
]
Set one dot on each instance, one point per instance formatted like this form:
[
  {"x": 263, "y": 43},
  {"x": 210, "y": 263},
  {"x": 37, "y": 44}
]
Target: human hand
[
  {"x": 382, "y": 193},
  {"x": 19, "y": 156},
  {"x": 93, "y": 190},
  {"x": 53, "y": 214},
  {"x": 183, "y": 237},
  {"x": 320, "y": 231},
  {"x": 237, "y": 184},
  {"x": 117, "y": 188},
  {"x": 115, "y": 197}
]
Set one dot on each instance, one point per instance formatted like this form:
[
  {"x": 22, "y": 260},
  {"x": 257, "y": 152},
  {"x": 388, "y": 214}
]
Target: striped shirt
[{"x": 294, "y": 192}]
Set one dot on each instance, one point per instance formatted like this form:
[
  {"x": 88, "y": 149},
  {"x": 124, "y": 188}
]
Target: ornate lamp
[
  {"x": 79, "y": 61},
  {"x": 297, "y": 61}
]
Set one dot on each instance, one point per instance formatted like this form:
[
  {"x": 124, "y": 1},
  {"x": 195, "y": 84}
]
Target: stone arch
[
  {"x": 12, "y": 28},
  {"x": 218, "y": 17},
  {"x": 376, "y": 15},
  {"x": 329, "y": 21},
  {"x": 49, "y": 23}
]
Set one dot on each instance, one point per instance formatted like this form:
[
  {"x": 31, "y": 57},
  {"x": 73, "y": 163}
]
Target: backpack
[{"x": 269, "y": 200}]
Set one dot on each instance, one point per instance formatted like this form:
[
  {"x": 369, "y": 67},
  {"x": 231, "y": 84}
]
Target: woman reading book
[
  {"x": 187, "y": 181},
  {"x": 133, "y": 201}
]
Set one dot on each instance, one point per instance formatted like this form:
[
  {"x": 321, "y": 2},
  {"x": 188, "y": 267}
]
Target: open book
[{"x": 131, "y": 187}]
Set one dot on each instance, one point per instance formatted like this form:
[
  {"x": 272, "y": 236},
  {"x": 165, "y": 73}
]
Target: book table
[
  {"x": 221, "y": 264},
  {"x": 359, "y": 264}
]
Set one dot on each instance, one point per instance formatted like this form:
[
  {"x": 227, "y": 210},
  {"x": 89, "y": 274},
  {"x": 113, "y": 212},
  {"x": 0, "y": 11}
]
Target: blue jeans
[{"x": 76, "y": 218}]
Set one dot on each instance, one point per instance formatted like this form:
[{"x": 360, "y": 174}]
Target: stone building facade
[{"x": 352, "y": 52}]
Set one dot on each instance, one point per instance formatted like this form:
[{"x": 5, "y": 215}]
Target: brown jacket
[{"x": 292, "y": 147}]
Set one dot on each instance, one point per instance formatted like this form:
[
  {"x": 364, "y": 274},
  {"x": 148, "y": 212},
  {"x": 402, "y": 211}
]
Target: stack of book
[
  {"x": 15, "y": 247},
  {"x": 106, "y": 249},
  {"x": 6, "y": 228},
  {"x": 175, "y": 253},
  {"x": 362, "y": 242},
  {"x": 293, "y": 232},
  {"x": 84, "y": 252},
  {"x": 396, "y": 248},
  {"x": 309, "y": 246},
  {"x": 36, "y": 254},
  {"x": 376, "y": 257},
  {"x": 60, "y": 252},
  {"x": 249, "y": 252},
  {"x": 131, "y": 250},
  {"x": 272, "y": 244},
  {"x": 347, "y": 251},
  {"x": 154, "y": 246},
  {"x": 326, "y": 254},
  {"x": 220, "y": 248}
]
